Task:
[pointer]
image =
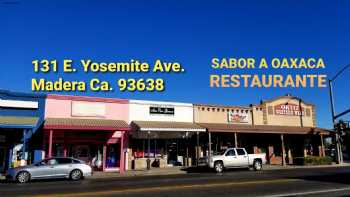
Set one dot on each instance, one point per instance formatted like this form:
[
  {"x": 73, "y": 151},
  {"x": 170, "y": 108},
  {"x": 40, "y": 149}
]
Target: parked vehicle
[
  {"x": 233, "y": 158},
  {"x": 56, "y": 167}
]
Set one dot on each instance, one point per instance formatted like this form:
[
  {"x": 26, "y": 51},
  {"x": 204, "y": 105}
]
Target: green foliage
[{"x": 316, "y": 160}]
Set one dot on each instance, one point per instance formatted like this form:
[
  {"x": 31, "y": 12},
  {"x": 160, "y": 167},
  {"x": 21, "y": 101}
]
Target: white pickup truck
[{"x": 233, "y": 158}]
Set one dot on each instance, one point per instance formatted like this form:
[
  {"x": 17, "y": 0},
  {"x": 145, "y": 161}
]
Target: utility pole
[
  {"x": 337, "y": 143},
  {"x": 334, "y": 116}
]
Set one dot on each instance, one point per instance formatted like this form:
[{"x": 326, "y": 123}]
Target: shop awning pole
[
  {"x": 283, "y": 151},
  {"x": 322, "y": 146},
  {"x": 122, "y": 156},
  {"x": 23, "y": 159},
  {"x": 209, "y": 146},
  {"x": 50, "y": 143},
  {"x": 236, "y": 144},
  {"x": 187, "y": 144},
  {"x": 149, "y": 150},
  {"x": 197, "y": 149}
]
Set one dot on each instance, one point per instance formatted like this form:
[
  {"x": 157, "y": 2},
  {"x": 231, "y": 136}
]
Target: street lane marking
[
  {"x": 165, "y": 188},
  {"x": 310, "y": 192}
]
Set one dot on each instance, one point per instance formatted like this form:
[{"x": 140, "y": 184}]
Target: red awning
[{"x": 85, "y": 124}]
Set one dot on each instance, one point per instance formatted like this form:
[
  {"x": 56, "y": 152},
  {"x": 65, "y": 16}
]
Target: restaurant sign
[
  {"x": 237, "y": 117},
  {"x": 289, "y": 110}
]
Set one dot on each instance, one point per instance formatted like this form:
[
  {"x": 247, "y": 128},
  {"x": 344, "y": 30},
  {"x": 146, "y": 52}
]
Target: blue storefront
[{"x": 21, "y": 116}]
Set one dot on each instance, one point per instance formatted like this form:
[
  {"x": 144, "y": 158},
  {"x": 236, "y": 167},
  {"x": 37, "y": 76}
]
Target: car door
[
  {"x": 230, "y": 158},
  {"x": 44, "y": 169},
  {"x": 242, "y": 157},
  {"x": 64, "y": 166}
]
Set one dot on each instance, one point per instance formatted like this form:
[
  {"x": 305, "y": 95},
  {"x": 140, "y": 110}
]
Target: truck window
[
  {"x": 240, "y": 151},
  {"x": 231, "y": 153}
]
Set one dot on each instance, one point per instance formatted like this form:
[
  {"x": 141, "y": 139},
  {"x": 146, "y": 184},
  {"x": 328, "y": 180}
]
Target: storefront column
[
  {"x": 283, "y": 151},
  {"x": 149, "y": 150},
  {"x": 236, "y": 143},
  {"x": 322, "y": 146},
  {"x": 104, "y": 157},
  {"x": 10, "y": 153},
  {"x": 122, "y": 160},
  {"x": 50, "y": 143},
  {"x": 65, "y": 150},
  {"x": 197, "y": 149},
  {"x": 23, "y": 159},
  {"x": 187, "y": 144},
  {"x": 209, "y": 145}
]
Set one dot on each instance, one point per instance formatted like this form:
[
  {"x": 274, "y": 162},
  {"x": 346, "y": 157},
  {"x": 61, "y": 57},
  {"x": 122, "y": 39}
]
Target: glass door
[{"x": 113, "y": 156}]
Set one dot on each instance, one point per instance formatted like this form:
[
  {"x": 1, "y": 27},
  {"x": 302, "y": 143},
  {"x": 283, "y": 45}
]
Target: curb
[{"x": 116, "y": 175}]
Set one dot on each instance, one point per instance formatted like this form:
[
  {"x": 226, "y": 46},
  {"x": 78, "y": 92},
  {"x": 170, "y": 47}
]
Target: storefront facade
[
  {"x": 86, "y": 128},
  {"x": 284, "y": 128},
  {"x": 163, "y": 133},
  {"x": 21, "y": 116}
]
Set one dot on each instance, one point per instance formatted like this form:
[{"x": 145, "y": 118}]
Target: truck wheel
[
  {"x": 257, "y": 165},
  {"x": 219, "y": 167}
]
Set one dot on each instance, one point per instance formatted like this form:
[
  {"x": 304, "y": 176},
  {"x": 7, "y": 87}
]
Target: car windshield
[{"x": 220, "y": 152}]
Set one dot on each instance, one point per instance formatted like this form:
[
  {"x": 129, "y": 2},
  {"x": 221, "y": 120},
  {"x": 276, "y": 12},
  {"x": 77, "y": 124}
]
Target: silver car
[{"x": 56, "y": 167}]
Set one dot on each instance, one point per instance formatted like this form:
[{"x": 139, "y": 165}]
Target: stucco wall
[
  {"x": 258, "y": 115},
  {"x": 218, "y": 114},
  {"x": 62, "y": 108},
  {"x": 263, "y": 114},
  {"x": 308, "y": 119},
  {"x": 140, "y": 110}
]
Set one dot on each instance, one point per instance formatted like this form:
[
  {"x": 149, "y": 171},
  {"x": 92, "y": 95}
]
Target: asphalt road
[{"x": 333, "y": 181}]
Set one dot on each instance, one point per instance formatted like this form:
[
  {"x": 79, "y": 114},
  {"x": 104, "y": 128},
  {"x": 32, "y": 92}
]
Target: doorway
[{"x": 113, "y": 156}]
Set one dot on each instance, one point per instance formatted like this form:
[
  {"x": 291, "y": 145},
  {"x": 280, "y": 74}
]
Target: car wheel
[
  {"x": 76, "y": 175},
  {"x": 257, "y": 165},
  {"x": 219, "y": 167},
  {"x": 23, "y": 177}
]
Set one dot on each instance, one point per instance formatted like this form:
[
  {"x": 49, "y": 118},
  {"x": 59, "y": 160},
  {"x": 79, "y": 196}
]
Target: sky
[{"x": 189, "y": 32}]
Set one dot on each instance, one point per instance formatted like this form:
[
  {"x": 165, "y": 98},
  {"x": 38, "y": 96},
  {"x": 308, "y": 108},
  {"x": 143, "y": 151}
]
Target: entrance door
[
  {"x": 113, "y": 156},
  {"x": 172, "y": 152},
  {"x": 3, "y": 155}
]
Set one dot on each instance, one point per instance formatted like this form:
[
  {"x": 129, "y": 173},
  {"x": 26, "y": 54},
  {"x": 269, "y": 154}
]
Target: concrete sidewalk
[
  {"x": 183, "y": 170},
  {"x": 143, "y": 172}
]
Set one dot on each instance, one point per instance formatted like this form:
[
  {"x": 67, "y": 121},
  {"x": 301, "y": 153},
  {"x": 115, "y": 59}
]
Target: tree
[{"x": 343, "y": 129}]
